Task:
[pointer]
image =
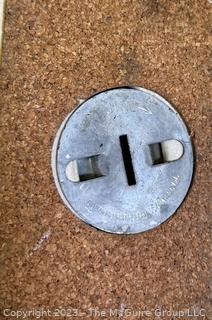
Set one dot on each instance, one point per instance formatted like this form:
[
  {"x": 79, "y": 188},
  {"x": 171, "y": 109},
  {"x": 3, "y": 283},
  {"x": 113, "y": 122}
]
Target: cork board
[{"x": 55, "y": 53}]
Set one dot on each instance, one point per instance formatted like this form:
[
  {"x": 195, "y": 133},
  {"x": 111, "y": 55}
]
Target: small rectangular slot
[
  {"x": 156, "y": 153},
  {"x": 127, "y": 160},
  {"x": 88, "y": 168},
  {"x": 166, "y": 151}
]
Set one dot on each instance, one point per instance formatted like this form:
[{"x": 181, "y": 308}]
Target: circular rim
[{"x": 56, "y": 145}]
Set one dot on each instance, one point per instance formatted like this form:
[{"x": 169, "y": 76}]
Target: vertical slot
[{"x": 127, "y": 160}]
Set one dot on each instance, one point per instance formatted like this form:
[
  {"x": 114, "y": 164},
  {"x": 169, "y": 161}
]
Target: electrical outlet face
[{"x": 123, "y": 161}]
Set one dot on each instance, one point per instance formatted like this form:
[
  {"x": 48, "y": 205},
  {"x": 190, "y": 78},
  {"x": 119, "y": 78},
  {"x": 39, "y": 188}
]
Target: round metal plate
[{"x": 92, "y": 135}]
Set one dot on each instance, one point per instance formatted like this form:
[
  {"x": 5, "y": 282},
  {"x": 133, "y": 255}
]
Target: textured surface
[{"x": 55, "y": 53}]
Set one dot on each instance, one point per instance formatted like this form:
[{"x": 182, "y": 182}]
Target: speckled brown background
[{"x": 55, "y": 53}]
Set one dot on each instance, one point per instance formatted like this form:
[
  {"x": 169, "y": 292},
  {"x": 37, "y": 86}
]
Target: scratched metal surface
[{"x": 108, "y": 202}]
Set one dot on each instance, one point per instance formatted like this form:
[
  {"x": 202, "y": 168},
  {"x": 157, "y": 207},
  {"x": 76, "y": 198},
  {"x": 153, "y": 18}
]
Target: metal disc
[{"x": 122, "y": 161}]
